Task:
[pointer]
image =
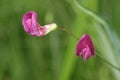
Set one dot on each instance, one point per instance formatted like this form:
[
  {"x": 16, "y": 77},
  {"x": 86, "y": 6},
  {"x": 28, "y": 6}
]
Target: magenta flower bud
[
  {"x": 32, "y": 26},
  {"x": 85, "y": 47}
]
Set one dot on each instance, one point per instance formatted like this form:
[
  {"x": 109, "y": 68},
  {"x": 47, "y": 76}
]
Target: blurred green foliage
[{"x": 52, "y": 57}]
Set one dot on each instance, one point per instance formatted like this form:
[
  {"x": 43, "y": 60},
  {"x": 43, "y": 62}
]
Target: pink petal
[
  {"x": 85, "y": 47},
  {"x": 34, "y": 20},
  {"x": 90, "y": 44},
  {"x": 27, "y": 20},
  {"x": 87, "y": 54},
  {"x": 32, "y": 26},
  {"x": 30, "y": 23},
  {"x": 42, "y": 31},
  {"x": 80, "y": 45}
]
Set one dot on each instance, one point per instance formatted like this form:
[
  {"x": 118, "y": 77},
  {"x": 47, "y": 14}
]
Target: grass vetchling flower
[
  {"x": 85, "y": 47},
  {"x": 32, "y": 26}
]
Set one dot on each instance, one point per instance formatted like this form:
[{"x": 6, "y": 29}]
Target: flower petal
[
  {"x": 88, "y": 53},
  {"x": 85, "y": 47},
  {"x": 32, "y": 26},
  {"x": 90, "y": 44},
  {"x": 50, "y": 27},
  {"x": 80, "y": 45}
]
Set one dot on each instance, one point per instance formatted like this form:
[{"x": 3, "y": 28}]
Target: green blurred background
[{"x": 52, "y": 57}]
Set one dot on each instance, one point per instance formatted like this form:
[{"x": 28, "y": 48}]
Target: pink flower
[
  {"x": 32, "y": 26},
  {"x": 85, "y": 47}
]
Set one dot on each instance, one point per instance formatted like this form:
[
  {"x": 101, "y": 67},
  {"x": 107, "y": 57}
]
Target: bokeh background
[{"x": 52, "y": 57}]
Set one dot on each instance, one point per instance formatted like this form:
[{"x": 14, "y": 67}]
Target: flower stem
[
  {"x": 87, "y": 11},
  {"x": 101, "y": 58},
  {"x": 75, "y": 37},
  {"x": 69, "y": 32},
  {"x": 96, "y": 17}
]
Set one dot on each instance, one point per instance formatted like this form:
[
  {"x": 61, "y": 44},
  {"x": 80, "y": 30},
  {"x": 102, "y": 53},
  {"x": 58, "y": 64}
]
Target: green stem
[
  {"x": 69, "y": 32},
  {"x": 96, "y": 17},
  {"x": 100, "y": 20},
  {"x": 101, "y": 58}
]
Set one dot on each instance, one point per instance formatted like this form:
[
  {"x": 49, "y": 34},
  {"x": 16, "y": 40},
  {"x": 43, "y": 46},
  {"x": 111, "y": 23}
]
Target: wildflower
[
  {"x": 85, "y": 47},
  {"x": 32, "y": 26}
]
